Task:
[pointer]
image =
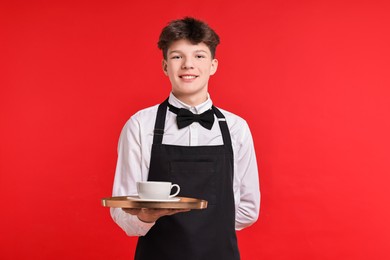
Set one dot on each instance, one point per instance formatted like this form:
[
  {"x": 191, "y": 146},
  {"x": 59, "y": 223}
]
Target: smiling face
[{"x": 189, "y": 67}]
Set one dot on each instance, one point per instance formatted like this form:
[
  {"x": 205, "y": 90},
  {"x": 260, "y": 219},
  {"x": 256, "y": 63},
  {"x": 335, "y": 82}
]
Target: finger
[
  {"x": 158, "y": 212},
  {"x": 131, "y": 211},
  {"x": 175, "y": 211}
]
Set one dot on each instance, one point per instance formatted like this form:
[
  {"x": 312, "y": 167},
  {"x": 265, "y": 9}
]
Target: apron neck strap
[
  {"x": 224, "y": 127},
  {"x": 160, "y": 124}
]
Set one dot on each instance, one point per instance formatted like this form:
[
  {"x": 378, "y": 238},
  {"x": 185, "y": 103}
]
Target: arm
[
  {"x": 135, "y": 222},
  {"x": 128, "y": 172},
  {"x": 247, "y": 173}
]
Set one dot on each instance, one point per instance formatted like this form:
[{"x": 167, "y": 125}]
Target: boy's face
[{"x": 189, "y": 68}]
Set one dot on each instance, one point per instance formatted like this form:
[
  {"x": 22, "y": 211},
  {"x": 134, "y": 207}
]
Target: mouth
[{"x": 188, "y": 77}]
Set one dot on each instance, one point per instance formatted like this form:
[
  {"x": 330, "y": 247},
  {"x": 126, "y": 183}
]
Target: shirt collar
[{"x": 196, "y": 109}]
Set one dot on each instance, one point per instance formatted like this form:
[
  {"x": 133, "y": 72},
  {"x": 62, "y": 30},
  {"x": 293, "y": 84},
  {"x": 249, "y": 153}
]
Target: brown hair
[{"x": 188, "y": 28}]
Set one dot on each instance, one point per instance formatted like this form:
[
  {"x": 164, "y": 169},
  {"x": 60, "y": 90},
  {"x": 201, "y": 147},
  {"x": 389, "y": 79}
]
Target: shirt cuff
[{"x": 143, "y": 227}]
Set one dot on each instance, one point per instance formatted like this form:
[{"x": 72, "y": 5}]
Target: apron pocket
[{"x": 196, "y": 179}]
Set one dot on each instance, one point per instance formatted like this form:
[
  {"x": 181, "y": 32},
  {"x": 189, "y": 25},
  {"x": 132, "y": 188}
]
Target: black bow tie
[{"x": 185, "y": 117}]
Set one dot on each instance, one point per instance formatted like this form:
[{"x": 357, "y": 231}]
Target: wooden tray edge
[{"x": 184, "y": 203}]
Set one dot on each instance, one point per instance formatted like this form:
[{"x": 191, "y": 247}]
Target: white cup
[{"x": 156, "y": 190}]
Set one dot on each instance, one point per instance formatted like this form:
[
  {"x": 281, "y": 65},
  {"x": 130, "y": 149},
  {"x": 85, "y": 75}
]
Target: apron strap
[
  {"x": 227, "y": 141},
  {"x": 160, "y": 125}
]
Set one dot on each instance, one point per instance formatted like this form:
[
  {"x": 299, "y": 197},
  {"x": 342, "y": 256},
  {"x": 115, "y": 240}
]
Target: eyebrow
[{"x": 181, "y": 52}]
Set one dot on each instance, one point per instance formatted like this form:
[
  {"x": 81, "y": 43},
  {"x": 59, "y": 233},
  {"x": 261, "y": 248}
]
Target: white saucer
[{"x": 155, "y": 200}]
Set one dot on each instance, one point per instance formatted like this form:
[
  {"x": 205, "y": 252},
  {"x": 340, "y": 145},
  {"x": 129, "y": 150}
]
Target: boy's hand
[{"x": 151, "y": 215}]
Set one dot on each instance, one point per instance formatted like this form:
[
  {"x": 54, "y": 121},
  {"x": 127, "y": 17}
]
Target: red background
[{"x": 310, "y": 77}]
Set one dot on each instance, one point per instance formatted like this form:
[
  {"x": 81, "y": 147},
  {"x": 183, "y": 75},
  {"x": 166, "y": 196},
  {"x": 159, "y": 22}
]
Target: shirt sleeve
[
  {"x": 248, "y": 190},
  {"x": 128, "y": 172}
]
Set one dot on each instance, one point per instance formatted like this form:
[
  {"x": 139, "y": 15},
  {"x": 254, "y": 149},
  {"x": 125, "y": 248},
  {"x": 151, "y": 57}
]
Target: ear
[
  {"x": 165, "y": 67},
  {"x": 214, "y": 66}
]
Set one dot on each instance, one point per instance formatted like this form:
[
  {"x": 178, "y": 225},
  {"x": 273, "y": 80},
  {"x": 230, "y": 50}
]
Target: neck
[{"x": 191, "y": 100}]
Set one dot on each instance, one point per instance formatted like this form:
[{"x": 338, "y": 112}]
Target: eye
[
  {"x": 200, "y": 56},
  {"x": 175, "y": 57}
]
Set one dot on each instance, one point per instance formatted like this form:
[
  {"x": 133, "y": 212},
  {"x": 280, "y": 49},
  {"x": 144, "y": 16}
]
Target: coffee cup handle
[{"x": 177, "y": 192}]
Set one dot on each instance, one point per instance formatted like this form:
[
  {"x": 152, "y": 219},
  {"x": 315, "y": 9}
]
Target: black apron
[{"x": 204, "y": 172}]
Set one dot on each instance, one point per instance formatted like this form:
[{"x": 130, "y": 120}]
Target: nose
[{"x": 187, "y": 64}]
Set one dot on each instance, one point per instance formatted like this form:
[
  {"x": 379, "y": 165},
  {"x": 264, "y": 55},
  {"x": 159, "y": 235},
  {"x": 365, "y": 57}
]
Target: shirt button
[{"x": 193, "y": 126}]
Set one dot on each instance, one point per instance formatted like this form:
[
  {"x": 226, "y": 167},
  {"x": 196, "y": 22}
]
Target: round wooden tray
[{"x": 132, "y": 202}]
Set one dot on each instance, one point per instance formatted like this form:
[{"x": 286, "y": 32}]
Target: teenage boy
[{"x": 209, "y": 154}]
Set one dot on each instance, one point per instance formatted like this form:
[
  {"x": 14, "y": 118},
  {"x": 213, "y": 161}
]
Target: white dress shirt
[{"x": 134, "y": 151}]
